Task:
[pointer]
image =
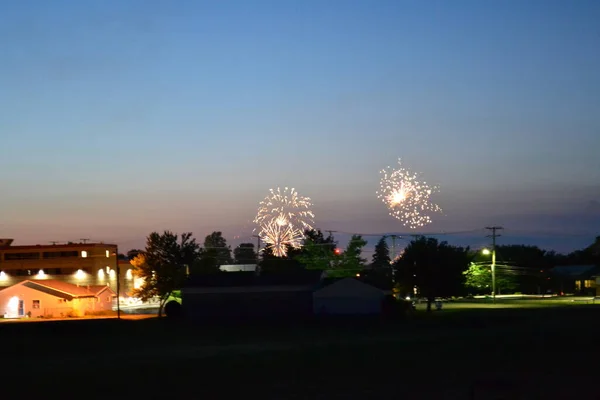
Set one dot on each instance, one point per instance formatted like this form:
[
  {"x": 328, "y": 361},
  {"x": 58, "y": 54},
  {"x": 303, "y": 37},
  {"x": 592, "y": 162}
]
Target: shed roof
[{"x": 250, "y": 278}]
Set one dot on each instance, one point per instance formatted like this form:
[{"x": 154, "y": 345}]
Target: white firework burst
[
  {"x": 407, "y": 198},
  {"x": 280, "y": 237},
  {"x": 282, "y": 218}
]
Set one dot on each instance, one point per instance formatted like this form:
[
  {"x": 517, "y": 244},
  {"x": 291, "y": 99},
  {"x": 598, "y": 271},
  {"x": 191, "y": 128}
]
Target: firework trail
[{"x": 408, "y": 199}]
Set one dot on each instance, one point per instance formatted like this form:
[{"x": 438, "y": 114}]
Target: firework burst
[
  {"x": 407, "y": 198},
  {"x": 282, "y": 218},
  {"x": 280, "y": 237}
]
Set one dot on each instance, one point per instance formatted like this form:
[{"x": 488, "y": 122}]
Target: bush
[{"x": 173, "y": 309}]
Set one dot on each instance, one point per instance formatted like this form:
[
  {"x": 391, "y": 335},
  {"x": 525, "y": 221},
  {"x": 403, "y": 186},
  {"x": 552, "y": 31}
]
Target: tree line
[{"x": 427, "y": 267}]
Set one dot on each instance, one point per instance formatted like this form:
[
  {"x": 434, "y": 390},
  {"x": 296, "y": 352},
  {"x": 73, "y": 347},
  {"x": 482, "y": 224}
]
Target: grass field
[{"x": 457, "y": 353}]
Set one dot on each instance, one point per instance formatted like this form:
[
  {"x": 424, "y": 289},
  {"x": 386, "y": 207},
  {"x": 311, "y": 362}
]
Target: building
[
  {"x": 52, "y": 298},
  {"x": 239, "y": 296},
  {"x": 84, "y": 264},
  {"x": 577, "y": 279},
  {"x": 348, "y": 296}
]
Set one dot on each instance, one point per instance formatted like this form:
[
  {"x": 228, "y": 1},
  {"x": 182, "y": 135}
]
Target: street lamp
[
  {"x": 487, "y": 252},
  {"x": 118, "y": 269}
]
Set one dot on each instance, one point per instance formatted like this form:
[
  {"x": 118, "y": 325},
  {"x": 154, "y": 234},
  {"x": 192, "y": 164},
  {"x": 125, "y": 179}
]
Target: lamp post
[
  {"x": 118, "y": 270},
  {"x": 493, "y": 253}
]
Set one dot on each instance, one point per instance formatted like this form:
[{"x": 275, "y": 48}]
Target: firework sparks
[
  {"x": 407, "y": 198},
  {"x": 282, "y": 218},
  {"x": 280, "y": 237}
]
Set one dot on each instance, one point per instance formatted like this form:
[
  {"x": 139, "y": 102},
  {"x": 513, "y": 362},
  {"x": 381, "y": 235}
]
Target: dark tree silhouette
[
  {"x": 244, "y": 254},
  {"x": 381, "y": 257},
  {"x": 216, "y": 250},
  {"x": 436, "y": 269}
]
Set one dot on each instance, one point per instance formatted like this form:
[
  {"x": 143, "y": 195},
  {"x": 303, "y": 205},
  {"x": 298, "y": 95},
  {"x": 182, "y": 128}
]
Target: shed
[
  {"x": 348, "y": 296},
  {"x": 235, "y": 296}
]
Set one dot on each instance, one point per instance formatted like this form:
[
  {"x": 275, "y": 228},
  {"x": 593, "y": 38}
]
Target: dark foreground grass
[{"x": 467, "y": 354}]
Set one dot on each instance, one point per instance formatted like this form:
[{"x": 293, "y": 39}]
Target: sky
[{"x": 123, "y": 117}]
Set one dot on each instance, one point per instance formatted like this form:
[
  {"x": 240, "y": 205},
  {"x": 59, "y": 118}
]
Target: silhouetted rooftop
[{"x": 250, "y": 278}]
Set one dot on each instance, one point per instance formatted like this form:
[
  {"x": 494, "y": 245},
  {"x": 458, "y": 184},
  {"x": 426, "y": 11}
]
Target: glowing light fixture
[
  {"x": 112, "y": 274},
  {"x": 100, "y": 274},
  {"x": 3, "y": 276},
  {"x": 12, "y": 308},
  {"x": 79, "y": 274},
  {"x": 41, "y": 274},
  {"x": 486, "y": 252},
  {"x": 84, "y": 254}
]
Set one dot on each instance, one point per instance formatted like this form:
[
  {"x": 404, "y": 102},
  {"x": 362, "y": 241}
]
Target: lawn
[{"x": 548, "y": 352}]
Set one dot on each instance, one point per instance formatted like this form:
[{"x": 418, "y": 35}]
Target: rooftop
[
  {"x": 43, "y": 247},
  {"x": 64, "y": 290}
]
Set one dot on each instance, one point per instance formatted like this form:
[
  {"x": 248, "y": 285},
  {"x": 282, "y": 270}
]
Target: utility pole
[
  {"x": 257, "y": 252},
  {"x": 494, "y": 235}
]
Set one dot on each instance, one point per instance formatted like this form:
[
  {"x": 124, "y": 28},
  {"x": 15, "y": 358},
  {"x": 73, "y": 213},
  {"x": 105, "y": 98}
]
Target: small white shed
[{"x": 348, "y": 296}]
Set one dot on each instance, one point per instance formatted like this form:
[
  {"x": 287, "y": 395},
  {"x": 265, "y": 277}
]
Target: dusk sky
[{"x": 122, "y": 117}]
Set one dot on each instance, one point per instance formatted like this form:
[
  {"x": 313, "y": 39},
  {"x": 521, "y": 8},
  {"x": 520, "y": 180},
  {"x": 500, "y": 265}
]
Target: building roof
[
  {"x": 250, "y": 278},
  {"x": 64, "y": 290},
  {"x": 575, "y": 271},
  {"x": 43, "y": 247}
]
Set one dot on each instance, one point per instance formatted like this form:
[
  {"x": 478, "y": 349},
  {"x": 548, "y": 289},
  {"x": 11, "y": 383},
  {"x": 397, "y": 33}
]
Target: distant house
[
  {"x": 577, "y": 279},
  {"x": 245, "y": 295},
  {"x": 53, "y": 298},
  {"x": 348, "y": 296}
]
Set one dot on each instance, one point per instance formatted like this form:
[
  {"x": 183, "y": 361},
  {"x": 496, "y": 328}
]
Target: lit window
[
  {"x": 107, "y": 253},
  {"x": 36, "y": 305},
  {"x": 112, "y": 274},
  {"x": 84, "y": 254},
  {"x": 129, "y": 274},
  {"x": 101, "y": 274}
]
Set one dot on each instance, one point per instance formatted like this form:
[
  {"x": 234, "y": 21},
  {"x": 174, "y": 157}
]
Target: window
[
  {"x": 588, "y": 283},
  {"x": 36, "y": 305},
  {"x": 21, "y": 256},
  {"x": 60, "y": 254},
  {"x": 83, "y": 254},
  {"x": 107, "y": 253},
  {"x": 108, "y": 299}
]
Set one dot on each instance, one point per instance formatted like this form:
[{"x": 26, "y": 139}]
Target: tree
[
  {"x": 163, "y": 265},
  {"x": 215, "y": 250},
  {"x": 436, "y": 269},
  {"x": 317, "y": 252},
  {"x": 133, "y": 253},
  {"x": 349, "y": 262},
  {"x": 478, "y": 279},
  {"x": 381, "y": 267},
  {"x": 381, "y": 256},
  {"x": 244, "y": 254}
]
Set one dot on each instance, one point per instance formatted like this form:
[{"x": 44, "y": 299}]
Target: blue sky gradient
[{"x": 121, "y": 117}]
